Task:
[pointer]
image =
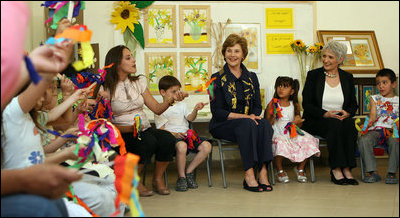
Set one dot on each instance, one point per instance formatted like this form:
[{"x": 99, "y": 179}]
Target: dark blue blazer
[{"x": 221, "y": 106}]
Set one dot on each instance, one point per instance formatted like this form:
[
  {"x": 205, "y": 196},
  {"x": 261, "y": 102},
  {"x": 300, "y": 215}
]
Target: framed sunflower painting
[
  {"x": 250, "y": 31},
  {"x": 363, "y": 55},
  {"x": 157, "y": 65},
  {"x": 160, "y": 26},
  {"x": 195, "y": 71},
  {"x": 194, "y": 26}
]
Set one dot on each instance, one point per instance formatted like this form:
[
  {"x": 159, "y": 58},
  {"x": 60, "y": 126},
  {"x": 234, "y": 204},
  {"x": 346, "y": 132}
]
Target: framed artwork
[
  {"x": 194, "y": 26},
  {"x": 160, "y": 26},
  {"x": 363, "y": 55},
  {"x": 49, "y": 12},
  {"x": 367, "y": 91},
  {"x": 195, "y": 71},
  {"x": 157, "y": 65},
  {"x": 250, "y": 31}
]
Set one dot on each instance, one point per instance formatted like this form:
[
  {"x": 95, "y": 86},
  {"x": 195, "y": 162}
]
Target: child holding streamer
[
  {"x": 289, "y": 141},
  {"x": 381, "y": 127},
  {"x": 175, "y": 120}
]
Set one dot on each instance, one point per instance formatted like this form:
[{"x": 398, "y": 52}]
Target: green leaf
[
  {"x": 130, "y": 42},
  {"x": 142, "y": 4},
  {"x": 138, "y": 34}
]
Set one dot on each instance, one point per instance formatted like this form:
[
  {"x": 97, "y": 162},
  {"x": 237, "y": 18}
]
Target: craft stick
[{"x": 70, "y": 10}]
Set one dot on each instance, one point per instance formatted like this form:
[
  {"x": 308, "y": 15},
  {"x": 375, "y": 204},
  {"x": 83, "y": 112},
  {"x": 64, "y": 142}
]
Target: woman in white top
[
  {"x": 329, "y": 104},
  {"x": 128, "y": 94}
]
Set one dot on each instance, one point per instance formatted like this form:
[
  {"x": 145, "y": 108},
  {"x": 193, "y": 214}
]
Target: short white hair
[{"x": 339, "y": 49}]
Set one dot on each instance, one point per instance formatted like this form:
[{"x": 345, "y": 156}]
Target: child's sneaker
[
  {"x": 181, "y": 184},
  {"x": 191, "y": 182},
  {"x": 391, "y": 178},
  {"x": 372, "y": 177}
]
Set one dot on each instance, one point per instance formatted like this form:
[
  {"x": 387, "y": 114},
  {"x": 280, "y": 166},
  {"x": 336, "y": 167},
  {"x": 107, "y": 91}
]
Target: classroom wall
[{"x": 382, "y": 17}]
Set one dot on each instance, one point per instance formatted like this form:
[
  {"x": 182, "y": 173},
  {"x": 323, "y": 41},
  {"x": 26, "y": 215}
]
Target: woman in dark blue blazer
[
  {"x": 236, "y": 111},
  {"x": 329, "y": 103}
]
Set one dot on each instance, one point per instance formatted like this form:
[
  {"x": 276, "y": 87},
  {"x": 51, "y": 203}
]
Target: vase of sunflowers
[{"x": 307, "y": 56}]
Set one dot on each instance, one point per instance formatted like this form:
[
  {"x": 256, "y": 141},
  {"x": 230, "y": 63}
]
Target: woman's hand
[
  {"x": 342, "y": 114},
  {"x": 180, "y": 95},
  {"x": 255, "y": 118},
  {"x": 178, "y": 135}
]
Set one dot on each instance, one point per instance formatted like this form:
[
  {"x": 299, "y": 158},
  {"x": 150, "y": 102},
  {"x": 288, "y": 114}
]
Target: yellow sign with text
[
  {"x": 279, "y": 18},
  {"x": 279, "y": 43}
]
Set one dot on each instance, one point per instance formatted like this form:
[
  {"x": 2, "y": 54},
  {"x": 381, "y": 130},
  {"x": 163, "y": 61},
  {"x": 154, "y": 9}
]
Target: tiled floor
[{"x": 322, "y": 198}]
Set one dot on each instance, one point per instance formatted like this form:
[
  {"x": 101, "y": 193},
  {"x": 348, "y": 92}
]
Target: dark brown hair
[
  {"x": 167, "y": 82},
  {"x": 114, "y": 55},
  {"x": 234, "y": 39},
  {"x": 289, "y": 82}
]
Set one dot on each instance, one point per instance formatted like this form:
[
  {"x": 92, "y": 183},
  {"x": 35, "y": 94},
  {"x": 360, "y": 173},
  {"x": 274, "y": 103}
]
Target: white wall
[{"x": 382, "y": 17}]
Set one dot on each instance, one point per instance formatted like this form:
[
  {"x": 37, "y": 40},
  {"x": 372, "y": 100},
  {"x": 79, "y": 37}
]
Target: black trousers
[
  {"x": 153, "y": 141},
  {"x": 255, "y": 141},
  {"x": 341, "y": 137}
]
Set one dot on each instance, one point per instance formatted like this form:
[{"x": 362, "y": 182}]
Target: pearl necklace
[{"x": 330, "y": 75}]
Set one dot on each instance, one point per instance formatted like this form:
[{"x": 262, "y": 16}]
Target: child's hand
[
  {"x": 72, "y": 131},
  {"x": 63, "y": 24},
  {"x": 70, "y": 152},
  {"x": 200, "y": 106},
  {"x": 67, "y": 86},
  {"x": 298, "y": 121},
  {"x": 90, "y": 104},
  {"x": 51, "y": 60},
  {"x": 103, "y": 94}
]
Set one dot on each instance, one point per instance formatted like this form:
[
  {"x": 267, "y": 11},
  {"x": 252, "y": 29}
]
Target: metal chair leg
[
  {"x": 208, "y": 169},
  {"x": 362, "y": 168},
  {"x": 312, "y": 169},
  {"x": 221, "y": 156},
  {"x": 271, "y": 176},
  {"x": 165, "y": 178}
]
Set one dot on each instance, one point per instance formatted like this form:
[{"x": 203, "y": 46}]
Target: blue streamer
[{"x": 33, "y": 74}]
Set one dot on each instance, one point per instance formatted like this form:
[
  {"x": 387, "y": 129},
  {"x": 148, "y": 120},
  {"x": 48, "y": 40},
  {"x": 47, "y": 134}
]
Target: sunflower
[{"x": 125, "y": 15}]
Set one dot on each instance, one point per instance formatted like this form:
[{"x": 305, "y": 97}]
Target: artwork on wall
[
  {"x": 367, "y": 91},
  {"x": 363, "y": 55},
  {"x": 157, "y": 65},
  {"x": 357, "y": 94},
  {"x": 250, "y": 31},
  {"x": 194, "y": 26},
  {"x": 195, "y": 71},
  {"x": 160, "y": 26},
  {"x": 279, "y": 18}
]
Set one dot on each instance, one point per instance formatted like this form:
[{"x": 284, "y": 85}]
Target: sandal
[
  {"x": 143, "y": 192},
  {"x": 283, "y": 179},
  {"x": 300, "y": 178},
  {"x": 160, "y": 190}
]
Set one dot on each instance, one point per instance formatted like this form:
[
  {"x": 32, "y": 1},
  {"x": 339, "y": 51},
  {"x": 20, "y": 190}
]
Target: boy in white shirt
[
  {"x": 384, "y": 112},
  {"x": 176, "y": 120}
]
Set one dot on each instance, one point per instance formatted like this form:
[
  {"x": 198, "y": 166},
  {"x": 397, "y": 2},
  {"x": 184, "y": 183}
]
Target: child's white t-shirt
[
  {"x": 21, "y": 139},
  {"x": 174, "y": 118},
  {"x": 387, "y": 111}
]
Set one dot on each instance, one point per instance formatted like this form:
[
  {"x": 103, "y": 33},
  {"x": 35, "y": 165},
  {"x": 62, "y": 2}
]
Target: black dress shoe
[
  {"x": 252, "y": 189},
  {"x": 266, "y": 188},
  {"x": 338, "y": 181},
  {"x": 351, "y": 181}
]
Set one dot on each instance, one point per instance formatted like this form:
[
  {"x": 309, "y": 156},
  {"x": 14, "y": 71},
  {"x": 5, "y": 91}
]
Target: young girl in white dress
[{"x": 296, "y": 147}]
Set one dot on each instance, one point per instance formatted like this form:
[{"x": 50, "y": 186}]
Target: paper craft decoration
[
  {"x": 102, "y": 110},
  {"x": 137, "y": 126},
  {"x": 192, "y": 137},
  {"x": 62, "y": 10},
  {"x": 126, "y": 182},
  {"x": 293, "y": 130},
  {"x": 275, "y": 109}
]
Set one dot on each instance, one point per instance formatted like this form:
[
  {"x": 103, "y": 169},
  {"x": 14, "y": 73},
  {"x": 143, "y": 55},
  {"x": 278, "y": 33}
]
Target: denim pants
[{"x": 27, "y": 205}]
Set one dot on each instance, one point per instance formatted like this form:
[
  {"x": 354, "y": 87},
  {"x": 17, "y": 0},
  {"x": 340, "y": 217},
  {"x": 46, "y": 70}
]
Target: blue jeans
[{"x": 27, "y": 205}]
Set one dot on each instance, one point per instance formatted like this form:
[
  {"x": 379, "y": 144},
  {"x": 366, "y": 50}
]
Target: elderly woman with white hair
[{"x": 329, "y": 104}]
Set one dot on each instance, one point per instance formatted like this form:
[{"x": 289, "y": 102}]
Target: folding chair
[
  {"x": 221, "y": 148},
  {"x": 322, "y": 143}
]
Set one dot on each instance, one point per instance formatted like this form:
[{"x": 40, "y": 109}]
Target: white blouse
[{"x": 333, "y": 98}]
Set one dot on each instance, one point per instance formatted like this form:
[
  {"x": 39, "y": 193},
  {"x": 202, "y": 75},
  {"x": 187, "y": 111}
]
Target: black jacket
[{"x": 314, "y": 90}]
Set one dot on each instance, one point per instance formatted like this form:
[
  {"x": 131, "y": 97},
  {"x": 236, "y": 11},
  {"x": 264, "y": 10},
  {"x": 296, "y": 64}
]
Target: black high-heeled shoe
[
  {"x": 350, "y": 181},
  {"x": 337, "y": 181},
  {"x": 252, "y": 189},
  {"x": 265, "y": 187}
]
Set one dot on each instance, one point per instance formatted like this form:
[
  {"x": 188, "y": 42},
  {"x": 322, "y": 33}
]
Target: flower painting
[
  {"x": 367, "y": 91},
  {"x": 160, "y": 26},
  {"x": 252, "y": 34},
  {"x": 196, "y": 71},
  {"x": 158, "y": 65},
  {"x": 195, "y": 26}
]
